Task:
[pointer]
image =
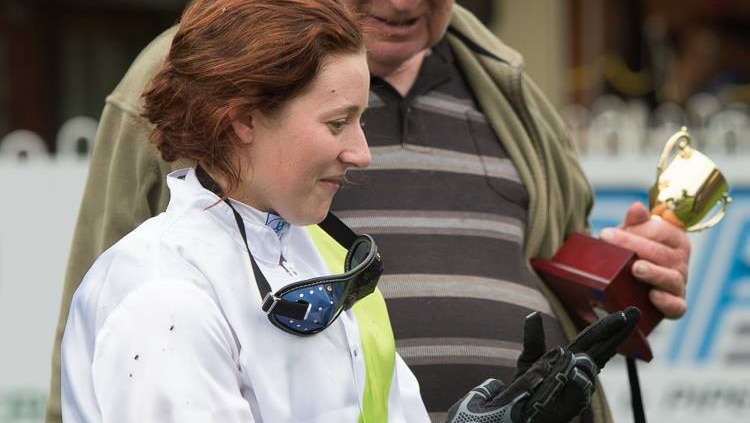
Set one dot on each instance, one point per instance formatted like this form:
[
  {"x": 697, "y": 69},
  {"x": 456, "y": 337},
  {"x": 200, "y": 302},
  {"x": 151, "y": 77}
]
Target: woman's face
[{"x": 294, "y": 160}]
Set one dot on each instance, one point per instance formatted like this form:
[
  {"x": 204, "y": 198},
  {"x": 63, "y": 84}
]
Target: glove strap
[{"x": 635, "y": 392}]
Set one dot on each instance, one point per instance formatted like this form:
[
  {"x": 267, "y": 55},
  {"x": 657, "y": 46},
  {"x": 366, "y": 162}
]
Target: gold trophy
[
  {"x": 688, "y": 186},
  {"x": 592, "y": 277}
]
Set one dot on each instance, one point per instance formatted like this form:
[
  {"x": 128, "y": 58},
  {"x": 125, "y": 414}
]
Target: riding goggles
[{"x": 309, "y": 306}]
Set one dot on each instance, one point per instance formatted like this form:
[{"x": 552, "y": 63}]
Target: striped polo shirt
[{"x": 448, "y": 211}]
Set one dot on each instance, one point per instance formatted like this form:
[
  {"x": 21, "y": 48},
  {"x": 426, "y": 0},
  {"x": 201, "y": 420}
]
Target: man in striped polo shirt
[
  {"x": 447, "y": 202},
  {"x": 473, "y": 173},
  {"x": 449, "y": 212}
]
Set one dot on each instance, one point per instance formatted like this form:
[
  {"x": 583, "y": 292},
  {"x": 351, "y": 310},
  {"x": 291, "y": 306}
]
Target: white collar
[{"x": 262, "y": 239}]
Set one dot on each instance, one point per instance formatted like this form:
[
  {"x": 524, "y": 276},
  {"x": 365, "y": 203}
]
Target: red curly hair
[{"x": 232, "y": 56}]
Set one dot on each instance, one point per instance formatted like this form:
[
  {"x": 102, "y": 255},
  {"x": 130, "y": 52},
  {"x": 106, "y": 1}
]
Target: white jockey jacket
[{"x": 167, "y": 326}]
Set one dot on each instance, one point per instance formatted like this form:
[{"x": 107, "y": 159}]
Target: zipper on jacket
[{"x": 288, "y": 267}]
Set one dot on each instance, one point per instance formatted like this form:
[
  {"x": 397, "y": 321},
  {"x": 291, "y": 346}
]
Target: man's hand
[
  {"x": 663, "y": 250},
  {"x": 551, "y": 387}
]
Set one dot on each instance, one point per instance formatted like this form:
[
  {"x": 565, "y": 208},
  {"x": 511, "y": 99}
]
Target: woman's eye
[{"x": 337, "y": 126}]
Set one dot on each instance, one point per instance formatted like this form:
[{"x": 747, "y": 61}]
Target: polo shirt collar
[{"x": 437, "y": 68}]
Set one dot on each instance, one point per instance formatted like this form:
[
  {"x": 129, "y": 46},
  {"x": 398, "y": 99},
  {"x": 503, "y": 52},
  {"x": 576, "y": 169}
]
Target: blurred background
[{"x": 624, "y": 74}]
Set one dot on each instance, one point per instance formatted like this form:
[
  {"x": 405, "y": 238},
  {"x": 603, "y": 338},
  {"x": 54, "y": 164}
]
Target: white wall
[
  {"x": 538, "y": 30},
  {"x": 38, "y": 212}
]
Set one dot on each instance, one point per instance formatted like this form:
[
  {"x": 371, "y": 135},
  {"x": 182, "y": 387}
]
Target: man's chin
[{"x": 389, "y": 56}]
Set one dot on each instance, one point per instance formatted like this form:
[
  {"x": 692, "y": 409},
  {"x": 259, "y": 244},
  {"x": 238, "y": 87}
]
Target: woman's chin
[{"x": 309, "y": 217}]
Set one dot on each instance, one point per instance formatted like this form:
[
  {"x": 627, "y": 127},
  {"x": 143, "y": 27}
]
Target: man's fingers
[
  {"x": 638, "y": 221},
  {"x": 659, "y": 265},
  {"x": 636, "y": 214},
  {"x": 666, "y": 248},
  {"x": 663, "y": 251},
  {"x": 663, "y": 278},
  {"x": 672, "y": 306}
]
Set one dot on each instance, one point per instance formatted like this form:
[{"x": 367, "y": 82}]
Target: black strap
[
  {"x": 639, "y": 416},
  {"x": 338, "y": 230},
  {"x": 263, "y": 286},
  {"x": 332, "y": 225},
  {"x": 207, "y": 181}
]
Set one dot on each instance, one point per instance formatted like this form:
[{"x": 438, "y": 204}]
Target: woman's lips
[{"x": 333, "y": 183}]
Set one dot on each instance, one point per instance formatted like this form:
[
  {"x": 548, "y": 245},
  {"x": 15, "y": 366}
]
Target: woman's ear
[{"x": 242, "y": 124}]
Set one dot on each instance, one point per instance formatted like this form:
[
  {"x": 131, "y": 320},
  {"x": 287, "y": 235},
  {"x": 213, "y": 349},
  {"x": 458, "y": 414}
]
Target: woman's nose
[{"x": 358, "y": 152}]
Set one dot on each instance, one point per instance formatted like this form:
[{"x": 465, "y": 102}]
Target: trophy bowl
[{"x": 688, "y": 186}]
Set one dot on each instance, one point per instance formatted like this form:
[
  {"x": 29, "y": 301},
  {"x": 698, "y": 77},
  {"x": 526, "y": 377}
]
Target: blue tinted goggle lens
[
  {"x": 324, "y": 298},
  {"x": 324, "y": 301}
]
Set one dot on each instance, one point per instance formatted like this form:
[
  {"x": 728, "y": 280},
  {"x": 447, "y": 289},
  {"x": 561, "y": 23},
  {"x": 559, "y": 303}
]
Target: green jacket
[{"x": 126, "y": 183}]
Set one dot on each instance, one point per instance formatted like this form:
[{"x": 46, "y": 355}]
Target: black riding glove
[
  {"x": 601, "y": 339},
  {"x": 551, "y": 387}
]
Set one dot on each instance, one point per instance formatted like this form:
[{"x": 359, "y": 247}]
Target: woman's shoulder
[{"x": 153, "y": 253}]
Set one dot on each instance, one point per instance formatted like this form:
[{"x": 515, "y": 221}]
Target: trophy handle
[
  {"x": 725, "y": 200},
  {"x": 669, "y": 146}
]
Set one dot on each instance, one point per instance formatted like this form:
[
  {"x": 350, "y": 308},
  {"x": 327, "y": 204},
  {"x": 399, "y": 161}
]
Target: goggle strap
[
  {"x": 338, "y": 230},
  {"x": 208, "y": 182},
  {"x": 332, "y": 225},
  {"x": 281, "y": 307},
  {"x": 263, "y": 286}
]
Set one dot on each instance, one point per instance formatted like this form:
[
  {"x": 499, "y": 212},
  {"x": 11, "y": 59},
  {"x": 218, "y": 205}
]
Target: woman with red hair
[{"x": 228, "y": 307}]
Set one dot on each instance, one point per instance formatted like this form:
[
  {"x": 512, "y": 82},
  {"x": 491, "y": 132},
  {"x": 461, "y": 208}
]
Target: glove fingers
[
  {"x": 582, "y": 384},
  {"x": 554, "y": 379},
  {"x": 603, "y": 351},
  {"x": 601, "y": 339},
  {"x": 489, "y": 388},
  {"x": 526, "y": 383},
  {"x": 566, "y": 390},
  {"x": 482, "y": 395},
  {"x": 584, "y": 378},
  {"x": 570, "y": 401},
  {"x": 600, "y": 330},
  {"x": 534, "y": 344}
]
